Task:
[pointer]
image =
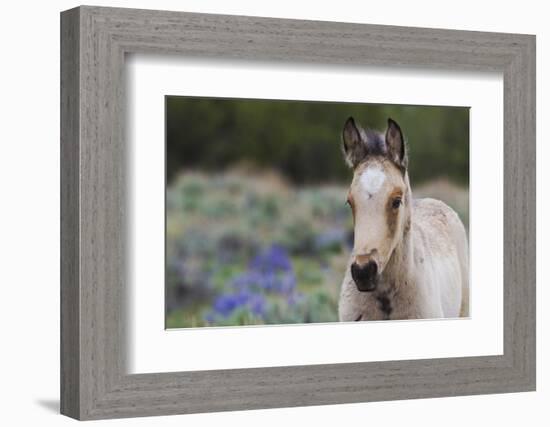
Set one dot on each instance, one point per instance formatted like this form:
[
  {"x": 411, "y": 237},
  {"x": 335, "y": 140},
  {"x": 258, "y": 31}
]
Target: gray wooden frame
[{"x": 94, "y": 41}]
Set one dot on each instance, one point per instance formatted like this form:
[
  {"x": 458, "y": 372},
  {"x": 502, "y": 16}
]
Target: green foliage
[
  {"x": 209, "y": 251},
  {"x": 301, "y": 140},
  {"x": 208, "y": 254}
]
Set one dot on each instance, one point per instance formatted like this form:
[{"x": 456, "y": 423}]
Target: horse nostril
[
  {"x": 372, "y": 268},
  {"x": 366, "y": 276}
]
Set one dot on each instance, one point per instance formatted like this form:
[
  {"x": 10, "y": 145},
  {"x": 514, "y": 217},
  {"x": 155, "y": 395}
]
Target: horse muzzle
[{"x": 365, "y": 276}]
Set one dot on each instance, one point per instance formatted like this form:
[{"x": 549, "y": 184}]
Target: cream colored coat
[{"x": 426, "y": 276}]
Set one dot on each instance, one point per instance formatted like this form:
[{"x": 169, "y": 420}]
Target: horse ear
[
  {"x": 353, "y": 146},
  {"x": 395, "y": 143}
]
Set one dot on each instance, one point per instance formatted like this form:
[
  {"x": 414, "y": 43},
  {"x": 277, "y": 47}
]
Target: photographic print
[{"x": 293, "y": 212}]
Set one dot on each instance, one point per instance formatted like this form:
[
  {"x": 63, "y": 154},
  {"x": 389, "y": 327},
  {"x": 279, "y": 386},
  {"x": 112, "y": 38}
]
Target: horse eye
[{"x": 396, "y": 202}]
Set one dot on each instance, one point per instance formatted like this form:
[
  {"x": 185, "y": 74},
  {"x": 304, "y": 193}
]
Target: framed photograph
[{"x": 262, "y": 213}]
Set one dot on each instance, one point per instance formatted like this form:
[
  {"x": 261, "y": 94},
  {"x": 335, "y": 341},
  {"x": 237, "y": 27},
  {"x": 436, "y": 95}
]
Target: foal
[{"x": 410, "y": 257}]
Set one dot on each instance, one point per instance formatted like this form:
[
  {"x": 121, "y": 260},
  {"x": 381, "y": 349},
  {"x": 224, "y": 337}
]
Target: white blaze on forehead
[{"x": 371, "y": 179}]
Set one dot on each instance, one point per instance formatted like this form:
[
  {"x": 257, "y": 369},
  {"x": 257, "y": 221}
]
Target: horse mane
[{"x": 374, "y": 142}]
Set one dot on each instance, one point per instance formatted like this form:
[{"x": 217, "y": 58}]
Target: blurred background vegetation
[
  {"x": 257, "y": 230},
  {"x": 301, "y": 139}
]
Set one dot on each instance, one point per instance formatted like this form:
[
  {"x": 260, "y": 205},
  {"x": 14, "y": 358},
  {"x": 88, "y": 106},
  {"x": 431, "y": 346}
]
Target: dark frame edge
[
  {"x": 520, "y": 213},
  {"x": 70, "y": 388},
  {"x": 530, "y": 130}
]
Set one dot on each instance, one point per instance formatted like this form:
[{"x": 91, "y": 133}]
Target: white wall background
[{"x": 29, "y": 212}]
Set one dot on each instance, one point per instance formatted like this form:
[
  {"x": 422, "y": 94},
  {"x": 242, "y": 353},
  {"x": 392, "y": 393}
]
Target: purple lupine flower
[
  {"x": 257, "y": 304},
  {"x": 225, "y": 304},
  {"x": 248, "y": 280},
  {"x": 269, "y": 271},
  {"x": 274, "y": 259},
  {"x": 287, "y": 283},
  {"x": 279, "y": 259},
  {"x": 268, "y": 281}
]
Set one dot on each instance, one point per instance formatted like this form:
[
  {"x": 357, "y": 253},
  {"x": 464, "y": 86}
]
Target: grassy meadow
[{"x": 248, "y": 249}]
